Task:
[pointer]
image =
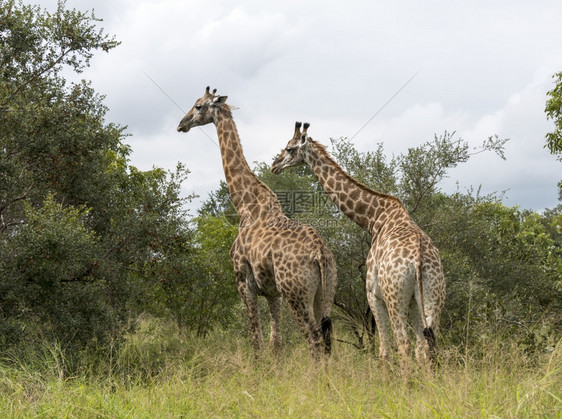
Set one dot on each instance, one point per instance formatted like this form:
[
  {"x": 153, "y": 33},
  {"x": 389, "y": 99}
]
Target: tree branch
[{"x": 35, "y": 77}]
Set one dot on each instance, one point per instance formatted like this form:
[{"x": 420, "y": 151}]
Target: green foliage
[
  {"x": 197, "y": 281},
  {"x": 369, "y": 167},
  {"x": 553, "y": 110},
  {"x": 501, "y": 273},
  {"x": 216, "y": 287},
  {"x": 82, "y": 232},
  {"x": 552, "y": 221},
  {"x": 47, "y": 269},
  {"x": 423, "y": 167},
  {"x": 219, "y": 204},
  {"x": 53, "y": 137},
  {"x": 35, "y": 42}
]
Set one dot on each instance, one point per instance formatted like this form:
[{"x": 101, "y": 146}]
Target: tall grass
[{"x": 160, "y": 372}]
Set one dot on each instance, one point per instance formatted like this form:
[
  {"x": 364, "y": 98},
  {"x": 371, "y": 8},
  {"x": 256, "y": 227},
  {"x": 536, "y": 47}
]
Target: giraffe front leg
[
  {"x": 275, "y": 338},
  {"x": 250, "y": 300}
]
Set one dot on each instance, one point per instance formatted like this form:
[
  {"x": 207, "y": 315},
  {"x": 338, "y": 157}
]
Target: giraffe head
[
  {"x": 293, "y": 154},
  {"x": 203, "y": 112}
]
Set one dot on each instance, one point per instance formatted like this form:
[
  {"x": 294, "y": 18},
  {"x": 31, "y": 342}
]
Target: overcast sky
[{"x": 483, "y": 68}]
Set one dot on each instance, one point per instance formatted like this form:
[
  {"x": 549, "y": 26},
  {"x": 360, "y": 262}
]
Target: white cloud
[
  {"x": 530, "y": 172},
  {"x": 484, "y": 69}
]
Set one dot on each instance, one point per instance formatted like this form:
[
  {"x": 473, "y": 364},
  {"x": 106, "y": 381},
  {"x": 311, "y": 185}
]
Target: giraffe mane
[{"x": 322, "y": 150}]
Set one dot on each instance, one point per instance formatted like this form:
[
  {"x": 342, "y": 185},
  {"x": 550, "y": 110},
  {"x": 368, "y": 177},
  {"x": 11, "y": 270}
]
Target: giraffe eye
[
  {"x": 198, "y": 107},
  {"x": 291, "y": 150}
]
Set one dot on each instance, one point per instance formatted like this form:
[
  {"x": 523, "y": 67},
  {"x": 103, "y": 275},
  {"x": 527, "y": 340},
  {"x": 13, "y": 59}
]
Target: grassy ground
[{"x": 160, "y": 373}]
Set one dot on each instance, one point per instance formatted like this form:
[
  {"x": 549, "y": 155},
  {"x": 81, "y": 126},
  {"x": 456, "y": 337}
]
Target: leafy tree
[
  {"x": 82, "y": 232},
  {"x": 196, "y": 284},
  {"x": 553, "y": 110},
  {"x": 216, "y": 293},
  {"x": 51, "y": 134},
  {"x": 369, "y": 167},
  {"x": 42, "y": 265},
  {"x": 219, "y": 204}
]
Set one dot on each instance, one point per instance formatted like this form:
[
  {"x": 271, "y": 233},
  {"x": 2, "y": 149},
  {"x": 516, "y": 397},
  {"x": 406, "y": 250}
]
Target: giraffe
[
  {"x": 272, "y": 255},
  {"x": 404, "y": 271}
]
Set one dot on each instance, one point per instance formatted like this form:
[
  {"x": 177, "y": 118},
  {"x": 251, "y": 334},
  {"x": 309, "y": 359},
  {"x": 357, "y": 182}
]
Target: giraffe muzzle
[
  {"x": 276, "y": 169},
  {"x": 183, "y": 128}
]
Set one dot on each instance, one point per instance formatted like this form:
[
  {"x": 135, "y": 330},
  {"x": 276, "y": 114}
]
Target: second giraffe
[{"x": 404, "y": 271}]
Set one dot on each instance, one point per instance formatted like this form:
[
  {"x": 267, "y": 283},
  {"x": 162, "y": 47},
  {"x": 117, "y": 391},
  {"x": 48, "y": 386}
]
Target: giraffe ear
[{"x": 219, "y": 100}]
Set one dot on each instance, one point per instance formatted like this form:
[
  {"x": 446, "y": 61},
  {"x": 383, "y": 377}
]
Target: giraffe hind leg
[
  {"x": 398, "y": 314},
  {"x": 313, "y": 336},
  {"x": 326, "y": 327},
  {"x": 322, "y": 316},
  {"x": 380, "y": 313},
  {"x": 426, "y": 344},
  {"x": 275, "y": 338},
  {"x": 250, "y": 300},
  {"x": 429, "y": 335},
  {"x": 307, "y": 322}
]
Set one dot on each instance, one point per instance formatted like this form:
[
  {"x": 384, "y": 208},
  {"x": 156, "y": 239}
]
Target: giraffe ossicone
[
  {"x": 404, "y": 271},
  {"x": 272, "y": 255}
]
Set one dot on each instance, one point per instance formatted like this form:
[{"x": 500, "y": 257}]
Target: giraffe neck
[
  {"x": 250, "y": 196},
  {"x": 368, "y": 208}
]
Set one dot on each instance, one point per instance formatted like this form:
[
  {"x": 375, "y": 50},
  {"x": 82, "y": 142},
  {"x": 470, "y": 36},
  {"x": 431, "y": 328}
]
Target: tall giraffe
[
  {"x": 272, "y": 255},
  {"x": 404, "y": 272}
]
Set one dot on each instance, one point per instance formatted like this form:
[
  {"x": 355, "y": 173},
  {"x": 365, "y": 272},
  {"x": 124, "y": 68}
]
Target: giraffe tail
[
  {"x": 428, "y": 331},
  {"x": 326, "y": 322}
]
